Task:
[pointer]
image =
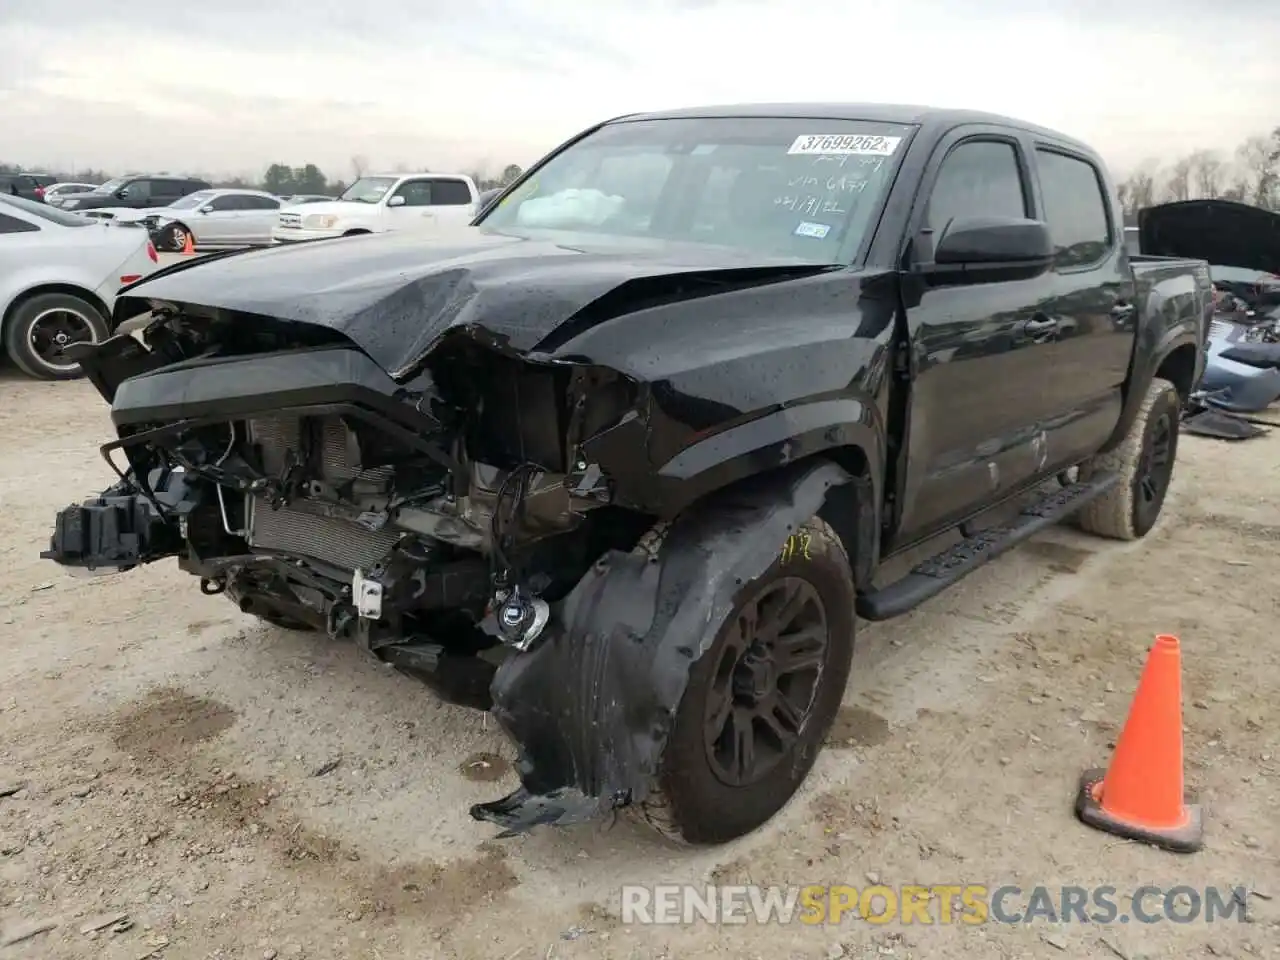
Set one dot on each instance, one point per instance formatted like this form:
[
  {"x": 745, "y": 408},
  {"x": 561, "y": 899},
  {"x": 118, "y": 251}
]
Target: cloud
[{"x": 234, "y": 85}]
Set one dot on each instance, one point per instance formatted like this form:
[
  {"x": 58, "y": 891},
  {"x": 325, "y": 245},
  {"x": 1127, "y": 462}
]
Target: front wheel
[
  {"x": 761, "y": 699},
  {"x": 1144, "y": 462},
  {"x": 174, "y": 238},
  {"x": 41, "y": 328}
]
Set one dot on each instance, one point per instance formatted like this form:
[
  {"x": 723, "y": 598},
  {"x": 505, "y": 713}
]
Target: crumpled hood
[
  {"x": 1225, "y": 233},
  {"x": 395, "y": 295}
]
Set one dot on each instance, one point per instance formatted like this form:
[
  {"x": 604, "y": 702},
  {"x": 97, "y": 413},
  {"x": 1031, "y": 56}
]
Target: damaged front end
[
  {"x": 432, "y": 520},
  {"x": 489, "y": 524}
]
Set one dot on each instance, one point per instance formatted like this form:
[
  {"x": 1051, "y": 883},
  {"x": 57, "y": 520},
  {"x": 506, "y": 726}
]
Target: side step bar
[{"x": 938, "y": 573}]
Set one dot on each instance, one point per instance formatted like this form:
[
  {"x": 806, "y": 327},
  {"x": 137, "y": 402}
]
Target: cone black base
[{"x": 1185, "y": 839}]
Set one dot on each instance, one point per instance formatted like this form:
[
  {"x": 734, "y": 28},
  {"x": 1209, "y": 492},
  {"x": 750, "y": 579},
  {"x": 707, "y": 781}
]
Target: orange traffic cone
[
  {"x": 1140, "y": 796},
  {"x": 188, "y": 247}
]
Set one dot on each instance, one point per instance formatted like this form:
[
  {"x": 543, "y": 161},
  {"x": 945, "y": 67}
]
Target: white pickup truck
[{"x": 381, "y": 203}]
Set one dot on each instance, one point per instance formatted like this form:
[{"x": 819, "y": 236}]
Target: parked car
[
  {"x": 30, "y": 186},
  {"x": 59, "y": 275},
  {"x": 1242, "y": 244},
  {"x": 213, "y": 219},
  {"x": 134, "y": 193},
  {"x": 620, "y": 461},
  {"x": 57, "y": 194},
  {"x": 381, "y": 204}
]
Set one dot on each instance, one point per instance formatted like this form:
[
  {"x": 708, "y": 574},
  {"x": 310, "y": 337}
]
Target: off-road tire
[
  {"x": 687, "y": 803},
  {"x": 19, "y": 326},
  {"x": 1122, "y": 513}
]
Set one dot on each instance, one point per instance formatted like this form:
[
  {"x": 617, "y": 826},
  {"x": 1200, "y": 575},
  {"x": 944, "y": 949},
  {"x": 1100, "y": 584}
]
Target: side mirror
[
  {"x": 979, "y": 249},
  {"x": 396, "y": 201},
  {"x": 122, "y": 193},
  {"x": 207, "y": 208}
]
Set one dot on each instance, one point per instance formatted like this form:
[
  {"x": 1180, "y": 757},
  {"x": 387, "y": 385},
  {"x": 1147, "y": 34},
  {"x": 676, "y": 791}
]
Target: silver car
[
  {"x": 60, "y": 193},
  {"x": 213, "y": 219},
  {"x": 59, "y": 276}
]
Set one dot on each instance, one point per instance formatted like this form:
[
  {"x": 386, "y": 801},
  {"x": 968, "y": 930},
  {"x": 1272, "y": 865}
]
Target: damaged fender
[{"x": 590, "y": 707}]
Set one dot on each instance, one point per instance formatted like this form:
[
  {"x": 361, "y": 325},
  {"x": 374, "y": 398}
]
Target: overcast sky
[{"x": 228, "y": 86}]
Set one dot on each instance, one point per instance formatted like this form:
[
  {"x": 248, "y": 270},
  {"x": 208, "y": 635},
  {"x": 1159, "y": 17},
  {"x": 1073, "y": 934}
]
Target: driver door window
[
  {"x": 416, "y": 193},
  {"x": 978, "y": 178},
  {"x": 139, "y": 192},
  {"x": 225, "y": 204}
]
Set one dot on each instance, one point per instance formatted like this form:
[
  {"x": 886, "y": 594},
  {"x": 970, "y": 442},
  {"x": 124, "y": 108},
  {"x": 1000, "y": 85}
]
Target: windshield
[
  {"x": 191, "y": 200},
  {"x": 46, "y": 212},
  {"x": 368, "y": 189},
  {"x": 111, "y": 186},
  {"x": 785, "y": 187}
]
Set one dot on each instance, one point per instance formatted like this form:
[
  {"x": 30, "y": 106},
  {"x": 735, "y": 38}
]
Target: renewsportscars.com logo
[{"x": 941, "y": 903}]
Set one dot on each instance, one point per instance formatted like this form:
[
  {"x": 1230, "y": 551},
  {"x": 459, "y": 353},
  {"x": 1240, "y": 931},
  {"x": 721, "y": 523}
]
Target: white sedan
[
  {"x": 210, "y": 218},
  {"x": 59, "y": 276},
  {"x": 60, "y": 193}
]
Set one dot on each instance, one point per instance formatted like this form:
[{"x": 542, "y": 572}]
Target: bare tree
[
  {"x": 1178, "y": 184},
  {"x": 1207, "y": 169},
  {"x": 1140, "y": 186},
  {"x": 359, "y": 165},
  {"x": 1258, "y": 163},
  {"x": 1123, "y": 192}
]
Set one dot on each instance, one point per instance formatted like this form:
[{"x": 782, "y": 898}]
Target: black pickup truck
[{"x": 624, "y": 460}]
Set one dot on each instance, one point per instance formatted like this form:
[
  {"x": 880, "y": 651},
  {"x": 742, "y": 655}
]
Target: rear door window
[
  {"x": 450, "y": 193},
  {"x": 166, "y": 191},
  {"x": 1075, "y": 207}
]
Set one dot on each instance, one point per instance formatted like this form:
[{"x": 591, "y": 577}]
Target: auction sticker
[{"x": 861, "y": 145}]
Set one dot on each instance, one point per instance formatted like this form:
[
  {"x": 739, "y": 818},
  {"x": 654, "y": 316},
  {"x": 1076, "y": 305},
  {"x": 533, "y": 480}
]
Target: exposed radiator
[{"x": 294, "y": 530}]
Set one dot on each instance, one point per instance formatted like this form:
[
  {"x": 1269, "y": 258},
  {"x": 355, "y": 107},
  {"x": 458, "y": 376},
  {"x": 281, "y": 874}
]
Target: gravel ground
[{"x": 169, "y": 753}]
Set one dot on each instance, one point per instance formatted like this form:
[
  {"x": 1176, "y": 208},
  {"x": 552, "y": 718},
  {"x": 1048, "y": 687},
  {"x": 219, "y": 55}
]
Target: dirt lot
[{"x": 169, "y": 747}]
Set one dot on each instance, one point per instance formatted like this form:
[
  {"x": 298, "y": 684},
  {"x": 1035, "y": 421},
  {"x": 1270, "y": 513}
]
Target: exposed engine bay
[{"x": 430, "y": 521}]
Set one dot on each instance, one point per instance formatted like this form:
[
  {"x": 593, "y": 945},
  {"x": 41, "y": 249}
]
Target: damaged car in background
[
  {"x": 621, "y": 461},
  {"x": 1242, "y": 245}
]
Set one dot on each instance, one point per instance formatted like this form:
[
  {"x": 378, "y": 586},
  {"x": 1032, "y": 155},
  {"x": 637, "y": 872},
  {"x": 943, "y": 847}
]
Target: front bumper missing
[{"x": 591, "y": 705}]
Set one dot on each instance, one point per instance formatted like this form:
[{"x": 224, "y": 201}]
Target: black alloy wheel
[
  {"x": 765, "y": 681},
  {"x": 1155, "y": 469},
  {"x": 760, "y": 698},
  {"x": 41, "y": 328}
]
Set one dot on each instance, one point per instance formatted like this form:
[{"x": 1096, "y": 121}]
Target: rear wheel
[
  {"x": 41, "y": 328},
  {"x": 1144, "y": 462},
  {"x": 761, "y": 699}
]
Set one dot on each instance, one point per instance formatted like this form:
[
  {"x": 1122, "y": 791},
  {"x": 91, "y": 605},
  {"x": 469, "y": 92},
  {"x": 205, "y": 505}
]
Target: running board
[{"x": 955, "y": 563}]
